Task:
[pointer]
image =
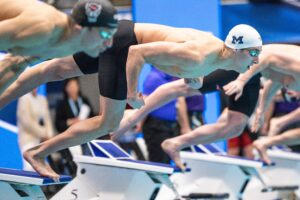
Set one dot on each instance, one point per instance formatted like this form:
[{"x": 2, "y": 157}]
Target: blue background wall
[
  {"x": 279, "y": 25},
  {"x": 9, "y": 149}
]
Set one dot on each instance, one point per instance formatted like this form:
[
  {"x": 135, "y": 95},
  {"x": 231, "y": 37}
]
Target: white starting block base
[
  {"x": 96, "y": 181},
  {"x": 24, "y": 185},
  {"x": 109, "y": 178},
  {"x": 209, "y": 174},
  {"x": 285, "y": 172},
  {"x": 219, "y": 174},
  {"x": 287, "y": 164}
]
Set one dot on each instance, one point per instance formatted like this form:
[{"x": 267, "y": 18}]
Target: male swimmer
[
  {"x": 191, "y": 54},
  {"x": 111, "y": 68},
  {"x": 279, "y": 64},
  {"x": 33, "y": 31}
]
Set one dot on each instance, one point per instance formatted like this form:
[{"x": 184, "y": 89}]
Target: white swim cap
[{"x": 243, "y": 36}]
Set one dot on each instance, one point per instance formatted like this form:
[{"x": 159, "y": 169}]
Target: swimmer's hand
[
  {"x": 195, "y": 83},
  {"x": 258, "y": 121},
  {"x": 234, "y": 87},
  {"x": 136, "y": 101}
]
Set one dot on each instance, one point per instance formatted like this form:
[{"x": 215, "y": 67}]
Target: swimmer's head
[
  {"x": 242, "y": 37},
  {"x": 246, "y": 42},
  {"x": 95, "y": 13}
]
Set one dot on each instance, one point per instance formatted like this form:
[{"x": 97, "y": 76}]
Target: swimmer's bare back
[{"x": 30, "y": 23}]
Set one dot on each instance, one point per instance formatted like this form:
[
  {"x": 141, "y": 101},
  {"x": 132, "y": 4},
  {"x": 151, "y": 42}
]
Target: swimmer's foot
[
  {"x": 39, "y": 164},
  {"x": 261, "y": 146},
  {"x": 172, "y": 149}
]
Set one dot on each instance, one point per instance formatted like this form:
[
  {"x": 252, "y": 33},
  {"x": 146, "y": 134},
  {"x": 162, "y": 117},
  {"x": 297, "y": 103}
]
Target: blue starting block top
[
  {"x": 28, "y": 177},
  {"x": 208, "y": 149},
  {"x": 110, "y": 150}
]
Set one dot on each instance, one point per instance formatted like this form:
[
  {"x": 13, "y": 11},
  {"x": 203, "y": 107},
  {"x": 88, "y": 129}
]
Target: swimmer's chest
[{"x": 186, "y": 71}]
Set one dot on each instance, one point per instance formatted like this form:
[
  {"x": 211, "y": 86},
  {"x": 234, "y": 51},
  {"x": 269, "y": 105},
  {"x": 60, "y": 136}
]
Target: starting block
[
  {"x": 111, "y": 173},
  {"x": 219, "y": 176},
  {"x": 24, "y": 185},
  {"x": 287, "y": 170},
  {"x": 215, "y": 175}
]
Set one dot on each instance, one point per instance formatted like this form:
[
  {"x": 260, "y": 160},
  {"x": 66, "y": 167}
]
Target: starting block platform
[
  {"x": 215, "y": 175},
  {"x": 25, "y": 185},
  {"x": 287, "y": 170},
  {"x": 111, "y": 173}
]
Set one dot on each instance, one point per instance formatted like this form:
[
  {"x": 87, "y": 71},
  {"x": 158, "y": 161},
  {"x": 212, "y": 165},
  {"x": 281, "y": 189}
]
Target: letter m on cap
[{"x": 238, "y": 40}]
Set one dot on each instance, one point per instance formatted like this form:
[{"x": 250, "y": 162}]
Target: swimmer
[
  {"x": 280, "y": 66},
  {"x": 195, "y": 55},
  {"x": 32, "y": 31}
]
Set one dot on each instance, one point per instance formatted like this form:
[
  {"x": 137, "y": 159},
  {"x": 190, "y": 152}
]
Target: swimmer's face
[
  {"x": 248, "y": 57},
  {"x": 253, "y": 53},
  {"x": 102, "y": 40},
  {"x": 106, "y": 35}
]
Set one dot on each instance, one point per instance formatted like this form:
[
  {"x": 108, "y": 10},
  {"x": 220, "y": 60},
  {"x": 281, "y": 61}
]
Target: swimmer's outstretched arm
[
  {"x": 52, "y": 70},
  {"x": 158, "y": 54},
  {"x": 265, "y": 97},
  {"x": 237, "y": 86},
  {"x": 11, "y": 67}
]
